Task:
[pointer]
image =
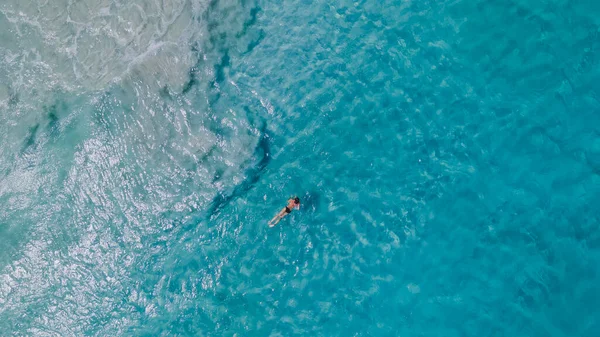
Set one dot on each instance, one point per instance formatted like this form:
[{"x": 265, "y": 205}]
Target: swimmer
[{"x": 293, "y": 203}]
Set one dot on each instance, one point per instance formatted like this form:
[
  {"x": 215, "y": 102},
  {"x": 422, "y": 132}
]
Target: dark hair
[{"x": 297, "y": 200}]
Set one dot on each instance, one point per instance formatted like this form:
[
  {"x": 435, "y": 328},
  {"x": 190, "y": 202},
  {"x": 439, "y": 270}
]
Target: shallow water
[{"x": 447, "y": 154}]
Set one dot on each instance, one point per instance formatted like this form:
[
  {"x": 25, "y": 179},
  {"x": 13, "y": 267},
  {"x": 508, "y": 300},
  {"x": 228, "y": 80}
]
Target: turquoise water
[{"x": 447, "y": 154}]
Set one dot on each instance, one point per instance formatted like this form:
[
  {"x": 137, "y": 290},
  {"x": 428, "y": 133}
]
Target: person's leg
[
  {"x": 275, "y": 221},
  {"x": 277, "y": 218},
  {"x": 272, "y": 222}
]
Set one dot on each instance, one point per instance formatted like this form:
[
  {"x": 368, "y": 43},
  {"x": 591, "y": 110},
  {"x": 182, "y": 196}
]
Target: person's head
[{"x": 297, "y": 200}]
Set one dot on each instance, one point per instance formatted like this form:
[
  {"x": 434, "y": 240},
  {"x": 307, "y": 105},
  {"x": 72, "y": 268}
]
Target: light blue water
[{"x": 447, "y": 154}]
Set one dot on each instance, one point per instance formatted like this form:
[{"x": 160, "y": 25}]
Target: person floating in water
[{"x": 293, "y": 203}]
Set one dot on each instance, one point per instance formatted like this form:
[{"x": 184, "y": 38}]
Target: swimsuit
[{"x": 287, "y": 210}]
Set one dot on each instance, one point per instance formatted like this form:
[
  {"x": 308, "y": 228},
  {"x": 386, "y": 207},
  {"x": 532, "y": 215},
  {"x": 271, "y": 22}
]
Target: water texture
[{"x": 447, "y": 154}]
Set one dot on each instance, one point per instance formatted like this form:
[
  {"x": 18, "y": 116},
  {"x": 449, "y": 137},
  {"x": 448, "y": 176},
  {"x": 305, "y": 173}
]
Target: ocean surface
[{"x": 446, "y": 153}]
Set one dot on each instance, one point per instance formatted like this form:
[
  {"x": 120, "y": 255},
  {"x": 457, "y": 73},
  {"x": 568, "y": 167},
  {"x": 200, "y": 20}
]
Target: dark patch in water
[
  {"x": 191, "y": 82},
  {"x": 220, "y": 67},
  {"x": 263, "y": 150},
  {"x": 165, "y": 93},
  {"x": 31, "y": 136},
  {"x": 250, "y": 22},
  {"x": 218, "y": 175},
  {"x": 13, "y": 99},
  {"x": 208, "y": 154},
  {"x": 53, "y": 114},
  {"x": 253, "y": 174},
  {"x": 311, "y": 201},
  {"x": 52, "y": 120},
  {"x": 193, "y": 72},
  {"x": 256, "y": 42}
]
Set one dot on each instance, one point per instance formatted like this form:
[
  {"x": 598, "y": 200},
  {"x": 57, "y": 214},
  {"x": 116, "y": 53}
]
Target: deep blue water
[{"x": 447, "y": 154}]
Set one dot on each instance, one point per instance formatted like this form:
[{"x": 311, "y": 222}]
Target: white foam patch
[
  {"x": 413, "y": 288},
  {"x": 89, "y": 44}
]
